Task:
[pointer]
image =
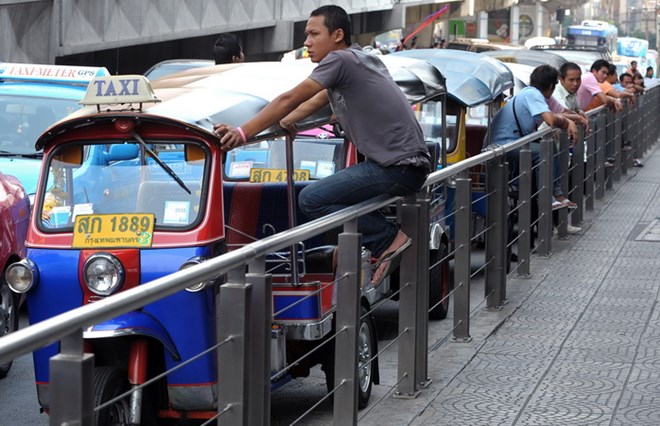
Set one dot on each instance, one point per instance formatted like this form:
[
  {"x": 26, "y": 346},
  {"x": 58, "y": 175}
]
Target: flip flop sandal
[{"x": 393, "y": 260}]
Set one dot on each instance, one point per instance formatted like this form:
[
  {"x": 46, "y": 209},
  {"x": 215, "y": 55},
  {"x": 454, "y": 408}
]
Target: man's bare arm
[
  {"x": 277, "y": 109},
  {"x": 305, "y": 109}
]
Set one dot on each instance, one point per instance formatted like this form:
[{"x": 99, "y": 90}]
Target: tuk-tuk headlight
[
  {"x": 22, "y": 276},
  {"x": 103, "y": 274},
  {"x": 190, "y": 263}
]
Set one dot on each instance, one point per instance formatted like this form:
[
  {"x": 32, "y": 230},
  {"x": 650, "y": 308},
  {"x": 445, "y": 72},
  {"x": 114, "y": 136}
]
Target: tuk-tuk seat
[
  {"x": 257, "y": 210},
  {"x": 474, "y": 139}
]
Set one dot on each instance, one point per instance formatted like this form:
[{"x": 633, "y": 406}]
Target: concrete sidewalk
[{"x": 577, "y": 344}]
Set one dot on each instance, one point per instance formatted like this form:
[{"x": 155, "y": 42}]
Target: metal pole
[
  {"x": 234, "y": 318},
  {"x": 545, "y": 196},
  {"x": 495, "y": 243},
  {"x": 409, "y": 308},
  {"x": 562, "y": 158},
  {"x": 347, "y": 323},
  {"x": 260, "y": 341},
  {"x": 591, "y": 146},
  {"x": 71, "y": 392},
  {"x": 600, "y": 156},
  {"x": 423, "y": 284},
  {"x": 577, "y": 174},
  {"x": 462, "y": 260},
  {"x": 524, "y": 211}
]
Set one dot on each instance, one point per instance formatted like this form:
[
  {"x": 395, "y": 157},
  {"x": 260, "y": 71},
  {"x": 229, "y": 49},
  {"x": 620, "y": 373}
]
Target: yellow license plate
[
  {"x": 276, "y": 175},
  {"x": 113, "y": 231}
]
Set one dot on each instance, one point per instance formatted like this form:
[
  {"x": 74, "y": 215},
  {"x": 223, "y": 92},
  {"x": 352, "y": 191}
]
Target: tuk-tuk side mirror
[
  {"x": 123, "y": 152},
  {"x": 71, "y": 155},
  {"x": 193, "y": 152}
]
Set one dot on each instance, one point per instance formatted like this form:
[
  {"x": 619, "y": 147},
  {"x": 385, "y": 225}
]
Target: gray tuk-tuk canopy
[
  {"x": 233, "y": 94},
  {"x": 472, "y": 79}
]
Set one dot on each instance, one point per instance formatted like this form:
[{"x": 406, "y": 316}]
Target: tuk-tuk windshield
[
  {"x": 313, "y": 158},
  {"x": 120, "y": 177},
  {"x": 429, "y": 115}
]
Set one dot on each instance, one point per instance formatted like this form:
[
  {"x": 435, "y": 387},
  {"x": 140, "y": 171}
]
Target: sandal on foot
[{"x": 391, "y": 261}]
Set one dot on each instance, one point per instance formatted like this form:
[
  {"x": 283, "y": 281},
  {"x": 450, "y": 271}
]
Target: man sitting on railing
[
  {"x": 376, "y": 117},
  {"x": 524, "y": 113}
]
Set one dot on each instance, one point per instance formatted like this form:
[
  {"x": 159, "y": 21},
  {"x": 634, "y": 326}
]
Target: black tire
[
  {"x": 366, "y": 350},
  {"x": 438, "y": 283},
  {"x": 8, "y": 317},
  {"x": 110, "y": 382},
  {"x": 366, "y": 335}
]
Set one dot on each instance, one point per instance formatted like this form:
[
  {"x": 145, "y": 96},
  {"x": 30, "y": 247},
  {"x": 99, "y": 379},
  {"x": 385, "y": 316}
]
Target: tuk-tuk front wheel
[{"x": 110, "y": 382}]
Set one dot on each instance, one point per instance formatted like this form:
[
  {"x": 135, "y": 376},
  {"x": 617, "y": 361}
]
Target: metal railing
[{"x": 244, "y": 303}]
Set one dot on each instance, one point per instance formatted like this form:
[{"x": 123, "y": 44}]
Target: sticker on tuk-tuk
[
  {"x": 276, "y": 175},
  {"x": 113, "y": 231},
  {"x": 176, "y": 212}
]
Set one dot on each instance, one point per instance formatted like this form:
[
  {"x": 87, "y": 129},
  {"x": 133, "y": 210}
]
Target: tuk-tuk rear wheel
[
  {"x": 365, "y": 352},
  {"x": 438, "y": 283}
]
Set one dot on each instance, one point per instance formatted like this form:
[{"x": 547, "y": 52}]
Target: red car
[{"x": 14, "y": 220}]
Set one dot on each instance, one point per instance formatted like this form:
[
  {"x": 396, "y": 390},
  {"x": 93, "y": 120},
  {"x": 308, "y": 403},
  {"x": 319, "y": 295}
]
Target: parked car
[
  {"x": 14, "y": 221},
  {"x": 172, "y": 66},
  {"x": 33, "y": 97}
]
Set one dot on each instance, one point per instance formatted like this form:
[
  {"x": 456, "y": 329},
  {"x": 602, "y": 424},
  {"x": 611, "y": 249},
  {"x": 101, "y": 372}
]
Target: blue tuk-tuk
[{"x": 135, "y": 187}]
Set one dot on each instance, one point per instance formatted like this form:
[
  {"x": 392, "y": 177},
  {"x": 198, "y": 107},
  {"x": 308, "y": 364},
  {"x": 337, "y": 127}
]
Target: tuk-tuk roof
[
  {"x": 471, "y": 79},
  {"x": 528, "y": 57},
  {"x": 234, "y": 93}
]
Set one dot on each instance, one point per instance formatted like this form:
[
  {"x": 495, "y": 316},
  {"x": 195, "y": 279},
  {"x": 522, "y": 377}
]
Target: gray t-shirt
[{"x": 370, "y": 107}]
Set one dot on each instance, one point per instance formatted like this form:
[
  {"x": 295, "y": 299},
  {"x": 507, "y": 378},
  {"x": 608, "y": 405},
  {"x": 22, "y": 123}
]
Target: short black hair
[
  {"x": 335, "y": 18},
  {"x": 624, "y": 75},
  {"x": 649, "y": 68},
  {"x": 568, "y": 66},
  {"x": 611, "y": 69},
  {"x": 600, "y": 63},
  {"x": 543, "y": 77},
  {"x": 226, "y": 48}
]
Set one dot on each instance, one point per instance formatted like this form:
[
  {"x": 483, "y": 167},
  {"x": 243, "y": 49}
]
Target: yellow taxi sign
[
  {"x": 113, "y": 231},
  {"x": 119, "y": 89}
]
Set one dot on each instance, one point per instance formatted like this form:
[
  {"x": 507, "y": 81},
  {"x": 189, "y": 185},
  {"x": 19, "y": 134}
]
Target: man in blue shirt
[{"x": 525, "y": 112}]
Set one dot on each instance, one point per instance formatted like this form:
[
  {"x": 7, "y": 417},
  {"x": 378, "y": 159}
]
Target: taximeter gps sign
[{"x": 53, "y": 72}]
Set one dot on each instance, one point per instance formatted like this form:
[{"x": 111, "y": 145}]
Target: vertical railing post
[
  {"x": 601, "y": 138},
  {"x": 496, "y": 247},
  {"x": 71, "y": 392},
  {"x": 260, "y": 342},
  {"x": 423, "y": 251},
  {"x": 234, "y": 317},
  {"x": 545, "y": 195},
  {"x": 627, "y": 156},
  {"x": 524, "y": 207},
  {"x": 613, "y": 151},
  {"x": 591, "y": 158},
  {"x": 577, "y": 178},
  {"x": 347, "y": 325},
  {"x": 462, "y": 269},
  {"x": 562, "y": 158},
  {"x": 408, "y": 306}
]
